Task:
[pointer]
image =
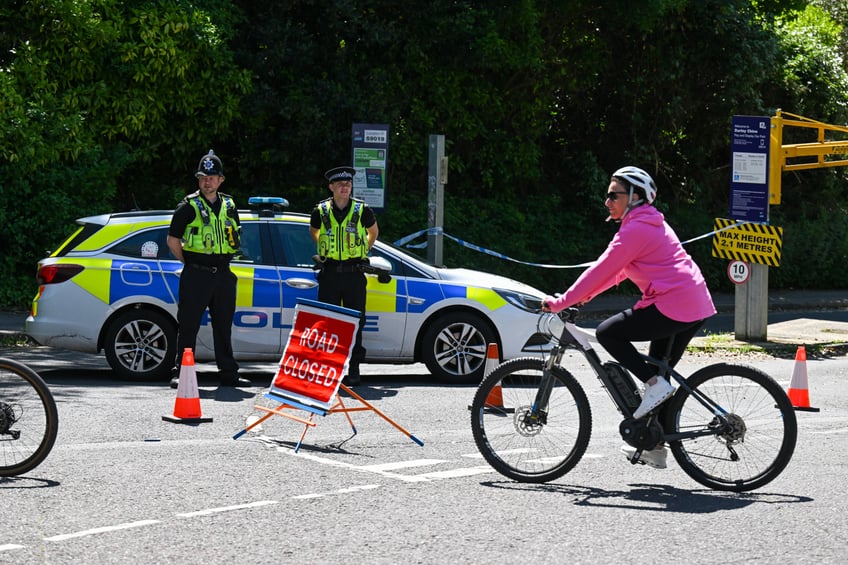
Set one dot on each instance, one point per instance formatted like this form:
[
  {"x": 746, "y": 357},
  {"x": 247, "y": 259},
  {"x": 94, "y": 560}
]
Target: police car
[{"x": 112, "y": 286}]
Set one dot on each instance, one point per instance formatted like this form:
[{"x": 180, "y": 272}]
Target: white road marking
[
  {"x": 11, "y": 546},
  {"x": 366, "y": 468},
  {"x": 102, "y": 530},
  {"x": 454, "y": 473},
  {"x": 380, "y": 467},
  {"x": 209, "y": 511},
  {"x": 335, "y": 492}
]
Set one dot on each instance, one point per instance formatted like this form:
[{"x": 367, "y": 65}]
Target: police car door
[
  {"x": 257, "y": 324},
  {"x": 384, "y": 332},
  {"x": 293, "y": 250}
]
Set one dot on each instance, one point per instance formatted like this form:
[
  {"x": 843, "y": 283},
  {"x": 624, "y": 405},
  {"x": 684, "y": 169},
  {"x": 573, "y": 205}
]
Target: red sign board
[{"x": 317, "y": 354}]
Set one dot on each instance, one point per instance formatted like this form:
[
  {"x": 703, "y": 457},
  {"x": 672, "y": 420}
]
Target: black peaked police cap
[{"x": 340, "y": 173}]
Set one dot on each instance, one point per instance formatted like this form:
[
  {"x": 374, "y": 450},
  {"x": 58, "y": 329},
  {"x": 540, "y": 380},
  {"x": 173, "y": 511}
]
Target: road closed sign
[{"x": 748, "y": 242}]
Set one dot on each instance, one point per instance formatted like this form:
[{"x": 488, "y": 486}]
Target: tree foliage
[
  {"x": 107, "y": 105},
  {"x": 95, "y": 93}
]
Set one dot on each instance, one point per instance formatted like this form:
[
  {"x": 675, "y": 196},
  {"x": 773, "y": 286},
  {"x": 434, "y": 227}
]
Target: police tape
[{"x": 404, "y": 242}]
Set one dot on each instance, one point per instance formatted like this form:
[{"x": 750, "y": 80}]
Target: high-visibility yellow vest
[
  {"x": 343, "y": 240},
  {"x": 209, "y": 233}
]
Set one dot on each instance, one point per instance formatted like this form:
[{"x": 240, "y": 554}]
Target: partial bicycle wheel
[
  {"x": 29, "y": 420},
  {"x": 511, "y": 440},
  {"x": 755, "y": 446}
]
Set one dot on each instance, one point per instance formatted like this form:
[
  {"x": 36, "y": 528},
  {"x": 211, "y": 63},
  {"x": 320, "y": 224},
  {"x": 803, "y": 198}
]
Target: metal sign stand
[{"x": 338, "y": 407}]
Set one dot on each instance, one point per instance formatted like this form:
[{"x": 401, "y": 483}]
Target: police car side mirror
[
  {"x": 380, "y": 264},
  {"x": 380, "y": 267}
]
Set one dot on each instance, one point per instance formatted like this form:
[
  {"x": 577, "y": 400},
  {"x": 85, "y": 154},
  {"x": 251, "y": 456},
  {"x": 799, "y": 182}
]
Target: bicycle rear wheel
[
  {"x": 29, "y": 420},
  {"x": 756, "y": 445},
  {"x": 526, "y": 450}
]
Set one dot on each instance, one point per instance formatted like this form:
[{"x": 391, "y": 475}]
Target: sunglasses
[{"x": 614, "y": 195}]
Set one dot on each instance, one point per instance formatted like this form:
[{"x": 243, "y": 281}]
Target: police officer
[
  {"x": 344, "y": 229},
  {"x": 204, "y": 236}
]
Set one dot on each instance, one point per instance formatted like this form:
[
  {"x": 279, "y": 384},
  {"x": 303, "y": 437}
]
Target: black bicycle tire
[
  {"x": 773, "y": 407},
  {"x": 480, "y": 410},
  {"x": 51, "y": 414}
]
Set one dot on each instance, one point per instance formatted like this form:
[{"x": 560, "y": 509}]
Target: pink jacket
[{"x": 647, "y": 251}]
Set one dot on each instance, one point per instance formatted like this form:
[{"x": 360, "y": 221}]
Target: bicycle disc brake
[{"x": 527, "y": 423}]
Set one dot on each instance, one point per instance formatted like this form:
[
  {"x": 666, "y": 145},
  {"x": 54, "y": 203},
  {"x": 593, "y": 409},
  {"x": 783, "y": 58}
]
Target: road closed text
[{"x": 315, "y": 345}]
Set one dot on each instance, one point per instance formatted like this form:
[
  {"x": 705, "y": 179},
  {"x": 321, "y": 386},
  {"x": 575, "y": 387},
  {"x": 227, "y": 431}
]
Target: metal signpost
[
  {"x": 749, "y": 201},
  {"x": 759, "y": 157},
  {"x": 437, "y": 178}
]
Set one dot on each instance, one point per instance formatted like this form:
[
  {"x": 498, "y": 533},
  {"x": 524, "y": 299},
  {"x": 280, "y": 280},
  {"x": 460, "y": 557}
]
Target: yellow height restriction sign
[{"x": 754, "y": 243}]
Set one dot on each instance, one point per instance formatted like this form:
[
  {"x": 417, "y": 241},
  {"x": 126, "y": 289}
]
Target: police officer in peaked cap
[
  {"x": 204, "y": 235},
  {"x": 344, "y": 229}
]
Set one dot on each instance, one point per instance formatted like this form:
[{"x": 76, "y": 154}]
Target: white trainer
[
  {"x": 653, "y": 396},
  {"x": 654, "y": 458}
]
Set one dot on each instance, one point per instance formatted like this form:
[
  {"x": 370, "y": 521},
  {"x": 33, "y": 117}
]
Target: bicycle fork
[{"x": 538, "y": 414}]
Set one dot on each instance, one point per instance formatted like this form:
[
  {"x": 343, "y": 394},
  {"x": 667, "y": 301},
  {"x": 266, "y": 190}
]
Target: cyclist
[{"x": 675, "y": 299}]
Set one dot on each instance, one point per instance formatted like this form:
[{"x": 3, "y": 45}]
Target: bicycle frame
[{"x": 575, "y": 337}]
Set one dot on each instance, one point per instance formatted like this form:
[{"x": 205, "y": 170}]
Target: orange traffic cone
[
  {"x": 187, "y": 405},
  {"x": 495, "y": 397},
  {"x": 798, "y": 393}
]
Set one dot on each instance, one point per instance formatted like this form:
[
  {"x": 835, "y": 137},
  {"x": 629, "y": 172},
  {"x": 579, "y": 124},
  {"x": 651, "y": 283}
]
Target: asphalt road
[{"x": 124, "y": 486}]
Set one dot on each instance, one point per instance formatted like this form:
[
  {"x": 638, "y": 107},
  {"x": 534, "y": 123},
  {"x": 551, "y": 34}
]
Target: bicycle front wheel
[
  {"x": 29, "y": 420},
  {"x": 749, "y": 449},
  {"x": 520, "y": 443}
]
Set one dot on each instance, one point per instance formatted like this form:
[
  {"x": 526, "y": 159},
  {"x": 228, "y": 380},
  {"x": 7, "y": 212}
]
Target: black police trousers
[
  {"x": 346, "y": 289},
  {"x": 201, "y": 288}
]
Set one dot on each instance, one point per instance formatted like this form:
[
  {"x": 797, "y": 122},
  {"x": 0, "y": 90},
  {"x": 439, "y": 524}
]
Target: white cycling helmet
[{"x": 637, "y": 178}]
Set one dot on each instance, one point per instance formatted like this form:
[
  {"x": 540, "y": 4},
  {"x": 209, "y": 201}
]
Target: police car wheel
[
  {"x": 141, "y": 345},
  {"x": 454, "y": 347}
]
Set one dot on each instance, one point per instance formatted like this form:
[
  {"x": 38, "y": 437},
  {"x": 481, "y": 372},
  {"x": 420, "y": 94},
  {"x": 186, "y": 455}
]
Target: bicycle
[
  {"x": 730, "y": 427},
  {"x": 29, "y": 420}
]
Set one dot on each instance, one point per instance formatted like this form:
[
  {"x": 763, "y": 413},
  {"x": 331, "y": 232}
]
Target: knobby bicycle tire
[
  {"x": 764, "y": 434},
  {"x": 517, "y": 448},
  {"x": 29, "y": 420}
]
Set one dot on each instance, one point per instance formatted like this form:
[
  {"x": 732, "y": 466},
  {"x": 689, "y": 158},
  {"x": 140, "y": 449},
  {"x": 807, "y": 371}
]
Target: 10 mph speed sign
[{"x": 738, "y": 272}]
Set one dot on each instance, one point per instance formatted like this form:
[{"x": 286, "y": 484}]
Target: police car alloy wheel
[
  {"x": 454, "y": 347},
  {"x": 140, "y": 345}
]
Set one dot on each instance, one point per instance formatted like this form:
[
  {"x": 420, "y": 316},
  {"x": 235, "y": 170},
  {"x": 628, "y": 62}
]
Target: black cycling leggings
[{"x": 617, "y": 333}]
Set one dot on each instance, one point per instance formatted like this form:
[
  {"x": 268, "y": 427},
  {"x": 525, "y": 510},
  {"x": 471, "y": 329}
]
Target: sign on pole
[
  {"x": 750, "y": 145},
  {"x": 738, "y": 272},
  {"x": 754, "y": 243},
  {"x": 370, "y": 143}
]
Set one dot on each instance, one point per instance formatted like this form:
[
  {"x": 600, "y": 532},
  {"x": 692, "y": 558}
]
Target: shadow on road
[{"x": 664, "y": 498}]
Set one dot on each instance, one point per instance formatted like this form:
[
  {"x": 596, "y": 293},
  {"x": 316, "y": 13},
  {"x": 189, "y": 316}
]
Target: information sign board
[
  {"x": 370, "y": 143},
  {"x": 750, "y": 144}
]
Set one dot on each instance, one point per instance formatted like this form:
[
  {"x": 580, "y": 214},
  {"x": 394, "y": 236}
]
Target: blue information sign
[
  {"x": 370, "y": 144},
  {"x": 749, "y": 145}
]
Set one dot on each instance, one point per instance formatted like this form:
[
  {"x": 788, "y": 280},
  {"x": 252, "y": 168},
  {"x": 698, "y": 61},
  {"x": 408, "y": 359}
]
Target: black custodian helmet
[{"x": 209, "y": 165}]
